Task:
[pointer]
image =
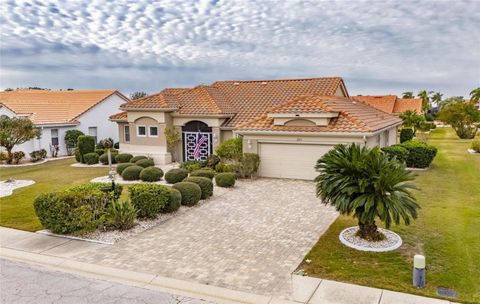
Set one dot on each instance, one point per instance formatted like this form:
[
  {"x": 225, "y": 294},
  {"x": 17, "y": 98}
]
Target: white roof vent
[
  {"x": 236, "y": 83},
  {"x": 264, "y": 82}
]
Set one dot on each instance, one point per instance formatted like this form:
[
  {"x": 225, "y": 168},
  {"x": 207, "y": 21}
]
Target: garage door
[{"x": 290, "y": 160}]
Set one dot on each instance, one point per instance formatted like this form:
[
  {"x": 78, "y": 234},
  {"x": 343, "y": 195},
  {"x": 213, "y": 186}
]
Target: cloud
[{"x": 378, "y": 47}]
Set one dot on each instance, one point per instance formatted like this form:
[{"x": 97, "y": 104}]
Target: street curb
[{"x": 138, "y": 279}]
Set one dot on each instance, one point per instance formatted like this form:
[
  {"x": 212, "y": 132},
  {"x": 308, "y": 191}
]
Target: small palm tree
[
  {"x": 407, "y": 95},
  {"x": 425, "y": 99},
  {"x": 437, "y": 98},
  {"x": 475, "y": 95},
  {"x": 366, "y": 183}
]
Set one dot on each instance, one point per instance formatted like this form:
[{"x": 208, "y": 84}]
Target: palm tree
[
  {"x": 475, "y": 95},
  {"x": 366, "y": 183},
  {"x": 437, "y": 98},
  {"x": 407, "y": 95},
  {"x": 411, "y": 119},
  {"x": 425, "y": 99}
]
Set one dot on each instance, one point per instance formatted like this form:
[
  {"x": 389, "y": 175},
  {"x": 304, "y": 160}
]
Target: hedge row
[{"x": 414, "y": 153}]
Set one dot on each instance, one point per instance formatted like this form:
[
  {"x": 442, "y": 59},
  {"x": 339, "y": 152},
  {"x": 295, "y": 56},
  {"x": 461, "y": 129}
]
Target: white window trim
[
  {"x": 138, "y": 131},
  {"x": 129, "y": 133},
  {"x": 150, "y": 134}
]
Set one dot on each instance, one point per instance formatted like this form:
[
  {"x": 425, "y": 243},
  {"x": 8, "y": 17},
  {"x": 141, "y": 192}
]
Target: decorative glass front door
[{"x": 197, "y": 145}]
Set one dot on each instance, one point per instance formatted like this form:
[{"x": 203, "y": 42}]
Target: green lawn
[
  {"x": 16, "y": 210},
  {"x": 447, "y": 232}
]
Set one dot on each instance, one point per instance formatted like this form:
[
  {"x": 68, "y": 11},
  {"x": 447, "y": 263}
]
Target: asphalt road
[{"x": 24, "y": 283}]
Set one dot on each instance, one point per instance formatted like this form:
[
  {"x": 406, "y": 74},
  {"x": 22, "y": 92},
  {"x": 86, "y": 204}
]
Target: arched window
[{"x": 196, "y": 126}]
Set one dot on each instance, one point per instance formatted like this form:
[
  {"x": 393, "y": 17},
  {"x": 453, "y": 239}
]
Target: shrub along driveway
[{"x": 248, "y": 238}]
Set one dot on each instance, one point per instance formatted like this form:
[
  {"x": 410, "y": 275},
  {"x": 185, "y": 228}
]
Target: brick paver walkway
[{"x": 249, "y": 238}]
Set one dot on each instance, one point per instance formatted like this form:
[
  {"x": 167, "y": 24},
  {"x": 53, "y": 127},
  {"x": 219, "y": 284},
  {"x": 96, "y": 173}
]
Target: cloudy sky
[{"x": 378, "y": 46}]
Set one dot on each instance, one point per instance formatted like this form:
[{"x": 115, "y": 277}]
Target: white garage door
[{"x": 290, "y": 160}]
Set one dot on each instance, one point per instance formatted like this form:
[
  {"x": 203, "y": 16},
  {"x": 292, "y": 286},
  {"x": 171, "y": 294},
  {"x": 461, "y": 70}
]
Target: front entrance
[{"x": 197, "y": 141}]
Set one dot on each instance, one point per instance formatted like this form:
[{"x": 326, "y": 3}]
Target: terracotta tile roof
[
  {"x": 119, "y": 116},
  {"x": 404, "y": 104},
  {"x": 252, "y": 98},
  {"x": 165, "y": 99},
  {"x": 353, "y": 116},
  {"x": 391, "y": 104},
  {"x": 204, "y": 100},
  {"x": 242, "y": 99},
  {"x": 45, "y": 107}
]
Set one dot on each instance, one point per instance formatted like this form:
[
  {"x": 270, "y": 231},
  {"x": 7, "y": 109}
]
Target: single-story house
[
  {"x": 289, "y": 123},
  {"x": 56, "y": 112},
  {"x": 391, "y": 104}
]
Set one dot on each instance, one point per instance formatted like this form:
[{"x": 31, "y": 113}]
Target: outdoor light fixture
[{"x": 419, "y": 271}]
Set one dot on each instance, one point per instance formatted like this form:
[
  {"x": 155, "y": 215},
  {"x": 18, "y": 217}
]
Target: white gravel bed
[
  {"x": 416, "y": 169},
  {"x": 471, "y": 151},
  {"x": 6, "y": 187},
  {"x": 26, "y": 162},
  {"x": 391, "y": 242}
]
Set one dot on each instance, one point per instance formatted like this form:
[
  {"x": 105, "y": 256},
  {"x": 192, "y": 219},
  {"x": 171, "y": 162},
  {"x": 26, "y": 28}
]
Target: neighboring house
[
  {"x": 391, "y": 104},
  {"x": 289, "y": 123},
  {"x": 55, "y": 112}
]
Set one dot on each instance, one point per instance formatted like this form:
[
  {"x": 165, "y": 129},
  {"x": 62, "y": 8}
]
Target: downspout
[{"x": 364, "y": 141}]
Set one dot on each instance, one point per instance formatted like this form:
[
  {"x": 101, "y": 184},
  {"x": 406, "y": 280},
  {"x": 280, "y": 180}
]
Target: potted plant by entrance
[{"x": 369, "y": 185}]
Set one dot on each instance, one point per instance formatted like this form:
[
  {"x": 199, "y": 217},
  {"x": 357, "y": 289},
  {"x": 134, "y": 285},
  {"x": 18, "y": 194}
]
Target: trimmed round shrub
[
  {"x": 191, "y": 165},
  {"x": 397, "y": 151},
  {"x": 149, "y": 199},
  {"x": 206, "y": 185},
  {"x": 85, "y": 145},
  {"x": 191, "y": 192},
  {"x": 406, "y": 134},
  {"x": 90, "y": 158},
  {"x": 145, "y": 163},
  {"x": 174, "y": 201},
  {"x": 104, "y": 187},
  {"x": 123, "y": 166},
  {"x": 132, "y": 173},
  {"x": 225, "y": 179},
  {"x": 224, "y": 167},
  {"x": 476, "y": 145},
  {"x": 212, "y": 161},
  {"x": 137, "y": 158},
  {"x": 123, "y": 158},
  {"x": 151, "y": 174},
  {"x": 175, "y": 175},
  {"x": 99, "y": 151},
  {"x": 78, "y": 157},
  {"x": 420, "y": 155},
  {"x": 208, "y": 173},
  {"x": 104, "y": 158}
]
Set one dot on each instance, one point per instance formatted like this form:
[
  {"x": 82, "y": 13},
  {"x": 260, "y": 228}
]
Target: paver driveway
[{"x": 248, "y": 238}]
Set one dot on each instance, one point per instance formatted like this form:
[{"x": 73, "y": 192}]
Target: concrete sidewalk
[{"x": 57, "y": 253}]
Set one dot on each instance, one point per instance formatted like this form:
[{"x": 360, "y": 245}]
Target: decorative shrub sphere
[
  {"x": 90, "y": 158},
  {"x": 191, "y": 192},
  {"x": 174, "y": 201},
  {"x": 208, "y": 173},
  {"x": 132, "y": 173},
  {"x": 137, "y": 158},
  {"x": 123, "y": 157},
  {"x": 206, "y": 185},
  {"x": 151, "y": 174},
  {"x": 225, "y": 179},
  {"x": 123, "y": 166},
  {"x": 146, "y": 162},
  {"x": 175, "y": 175},
  {"x": 104, "y": 158}
]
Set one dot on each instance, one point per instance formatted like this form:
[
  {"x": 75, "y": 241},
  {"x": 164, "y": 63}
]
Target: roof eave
[{"x": 149, "y": 109}]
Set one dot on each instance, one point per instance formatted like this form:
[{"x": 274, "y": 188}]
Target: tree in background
[
  {"x": 411, "y": 119},
  {"x": 71, "y": 139},
  {"x": 407, "y": 95},
  {"x": 450, "y": 100},
  {"x": 16, "y": 131},
  {"x": 475, "y": 95},
  {"x": 437, "y": 98},
  {"x": 462, "y": 116},
  {"x": 425, "y": 99},
  {"x": 138, "y": 95}
]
